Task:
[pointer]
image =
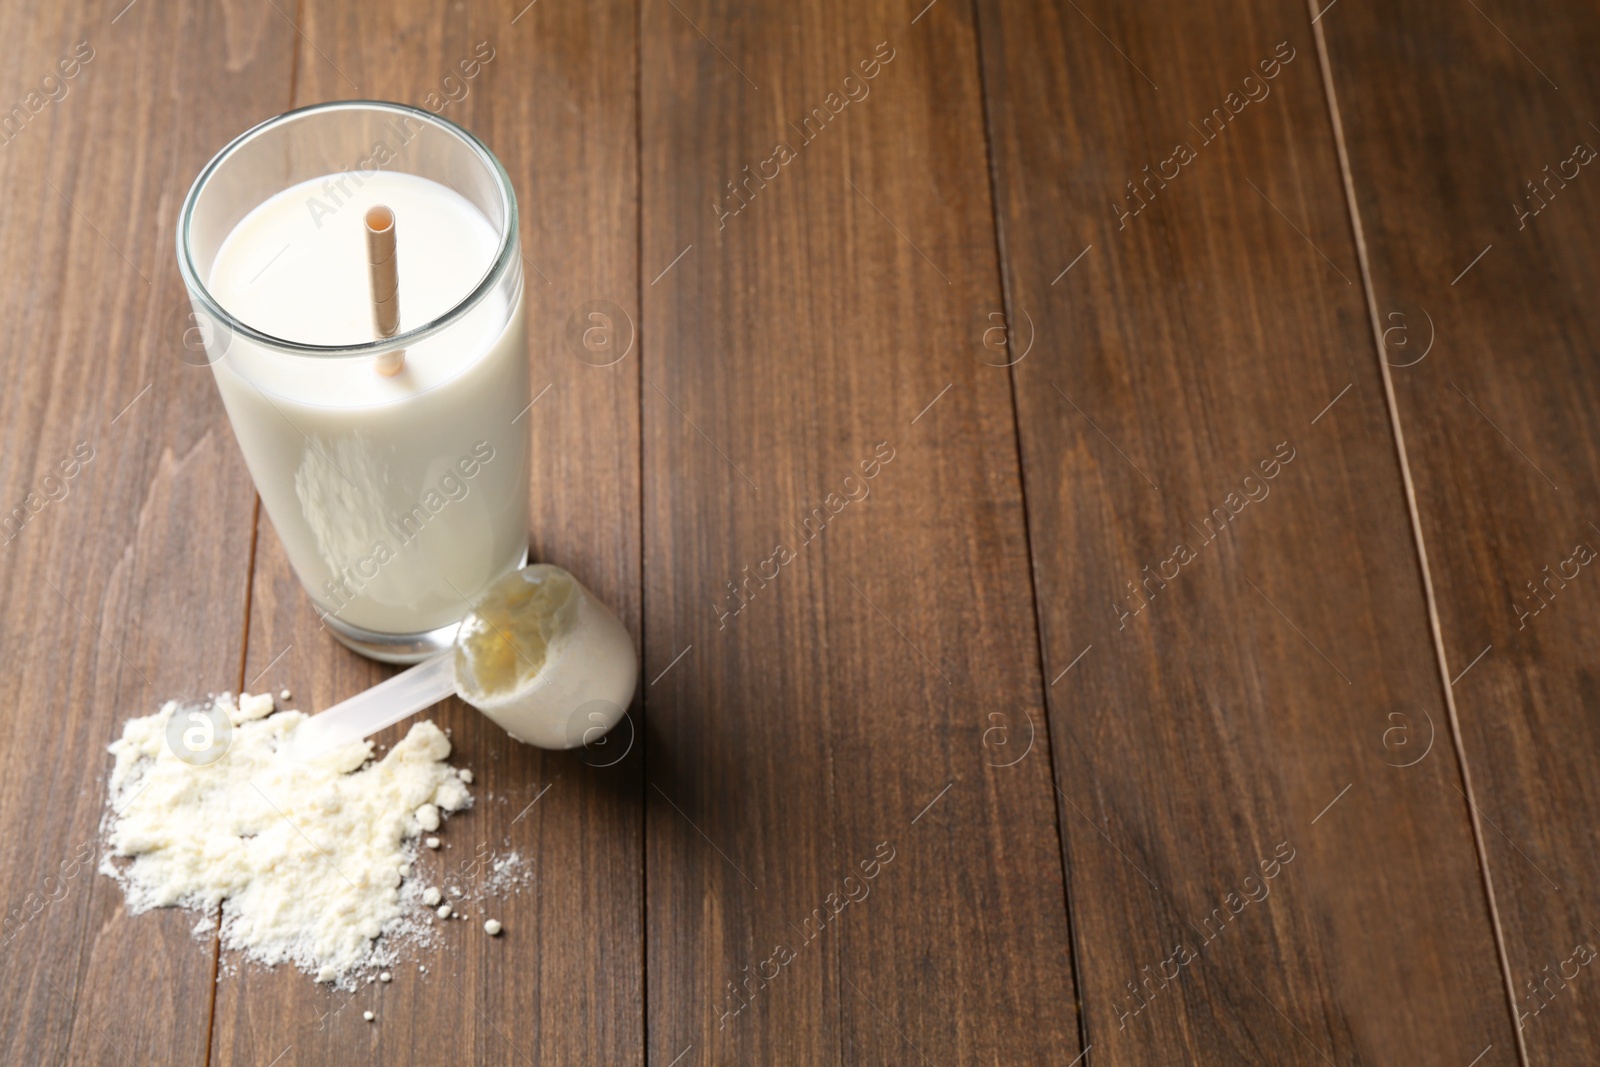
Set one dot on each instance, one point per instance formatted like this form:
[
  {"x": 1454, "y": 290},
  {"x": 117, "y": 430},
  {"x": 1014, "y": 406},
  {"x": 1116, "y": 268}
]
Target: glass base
[
  {"x": 399, "y": 648},
  {"x": 393, "y": 648}
]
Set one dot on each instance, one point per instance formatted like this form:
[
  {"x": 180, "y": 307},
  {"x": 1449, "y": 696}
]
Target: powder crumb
[
  {"x": 304, "y": 859},
  {"x": 285, "y": 695},
  {"x": 432, "y": 842},
  {"x": 428, "y": 817},
  {"x": 431, "y": 897},
  {"x": 493, "y": 927},
  {"x": 444, "y": 911},
  {"x": 255, "y": 707},
  {"x": 367, "y": 1015},
  {"x": 385, "y": 977},
  {"x": 455, "y": 891},
  {"x": 466, "y": 775}
]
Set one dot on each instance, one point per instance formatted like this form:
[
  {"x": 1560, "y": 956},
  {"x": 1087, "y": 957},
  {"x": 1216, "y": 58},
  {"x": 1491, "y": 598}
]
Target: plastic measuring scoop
[{"x": 538, "y": 654}]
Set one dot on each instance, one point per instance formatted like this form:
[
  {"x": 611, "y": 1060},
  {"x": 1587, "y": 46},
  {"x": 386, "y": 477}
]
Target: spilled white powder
[
  {"x": 305, "y": 859},
  {"x": 507, "y": 874}
]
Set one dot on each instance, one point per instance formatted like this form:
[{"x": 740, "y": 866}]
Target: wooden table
[{"x": 1211, "y": 648}]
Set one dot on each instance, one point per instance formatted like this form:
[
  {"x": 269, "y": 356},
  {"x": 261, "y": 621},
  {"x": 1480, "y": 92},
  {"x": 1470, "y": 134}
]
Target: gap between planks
[
  {"x": 1435, "y": 628},
  {"x": 1004, "y": 281}
]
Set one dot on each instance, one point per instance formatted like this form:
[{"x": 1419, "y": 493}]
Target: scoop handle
[{"x": 384, "y": 704}]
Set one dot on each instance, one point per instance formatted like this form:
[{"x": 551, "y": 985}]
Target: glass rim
[{"x": 199, "y": 291}]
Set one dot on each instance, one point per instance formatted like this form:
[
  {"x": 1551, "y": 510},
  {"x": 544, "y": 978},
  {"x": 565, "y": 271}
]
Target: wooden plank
[
  {"x": 837, "y": 572},
  {"x": 1499, "y": 424},
  {"x": 564, "y": 983},
  {"x": 125, "y": 573},
  {"x": 1234, "y": 697}
]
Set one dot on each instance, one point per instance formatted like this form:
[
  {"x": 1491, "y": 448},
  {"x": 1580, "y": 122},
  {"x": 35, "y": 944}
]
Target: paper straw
[{"x": 384, "y": 274}]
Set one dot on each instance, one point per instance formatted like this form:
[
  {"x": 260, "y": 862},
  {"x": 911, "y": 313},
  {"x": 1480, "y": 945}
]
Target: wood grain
[
  {"x": 820, "y": 694},
  {"x": 564, "y": 983},
  {"x": 1233, "y": 700},
  {"x": 875, "y": 452},
  {"x": 1448, "y": 114},
  {"x": 125, "y": 584}
]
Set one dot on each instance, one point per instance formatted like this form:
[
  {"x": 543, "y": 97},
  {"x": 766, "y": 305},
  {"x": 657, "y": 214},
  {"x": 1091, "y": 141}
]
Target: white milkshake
[{"x": 398, "y": 499}]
